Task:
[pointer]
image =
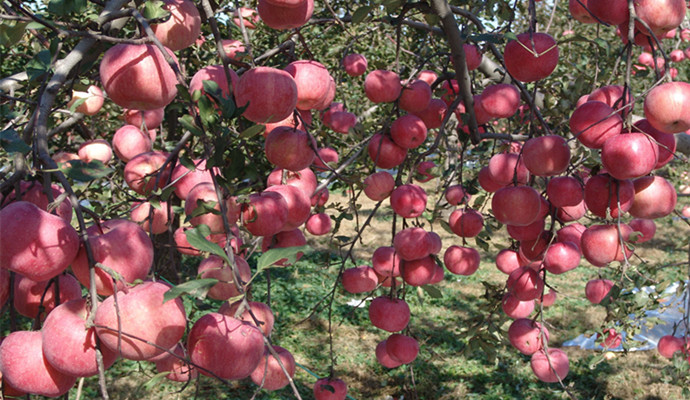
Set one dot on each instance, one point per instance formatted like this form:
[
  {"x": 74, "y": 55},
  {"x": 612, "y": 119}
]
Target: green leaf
[
  {"x": 433, "y": 291},
  {"x": 361, "y": 13},
  {"x": 12, "y": 143},
  {"x": 486, "y": 37},
  {"x": 155, "y": 380},
  {"x": 252, "y": 131},
  {"x": 274, "y": 255},
  {"x": 66, "y": 7},
  {"x": 197, "y": 288},
  {"x": 187, "y": 121},
  {"x": 85, "y": 172},
  {"x": 11, "y": 32},
  {"x": 510, "y": 36},
  {"x": 197, "y": 238},
  {"x": 392, "y": 5},
  {"x": 432, "y": 19},
  {"x": 153, "y": 9},
  {"x": 38, "y": 65}
]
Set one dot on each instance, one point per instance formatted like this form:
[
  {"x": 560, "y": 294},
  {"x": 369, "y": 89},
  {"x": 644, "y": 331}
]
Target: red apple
[
  {"x": 594, "y": 122},
  {"x": 533, "y": 56},
  {"x": 249, "y": 17},
  {"x": 24, "y": 367},
  {"x": 179, "y": 370},
  {"x": 391, "y": 315},
  {"x": 269, "y": 374},
  {"x": 654, "y": 198},
  {"x": 613, "y": 96},
  {"x": 604, "y": 195},
  {"x": 408, "y": 201},
  {"x": 646, "y": 228},
  {"x": 668, "y": 345},
  {"x": 92, "y": 100},
  {"x": 664, "y": 141},
  {"x": 330, "y": 389},
  {"x": 143, "y": 172},
  {"x": 214, "y": 267},
  {"x": 660, "y": 15},
  {"x": 145, "y": 119},
  {"x": 98, "y": 149},
  {"x": 329, "y": 155},
  {"x": 427, "y": 76},
  {"x": 601, "y": 244},
  {"x": 120, "y": 245},
  {"x": 508, "y": 261},
  {"x": 355, "y": 64},
  {"x": 402, "y": 348},
  {"x": 466, "y": 223},
  {"x": 233, "y": 48},
  {"x": 183, "y": 27},
  {"x": 381, "y": 86},
  {"x": 546, "y": 155},
  {"x": 379, "y": 185},
  {"x": 667, "y": 107},
  {"x": 415, "y": 97},
  {"x": 130, "y": 141},
  {"x": 613, "y": 12},
  {"x": 303, "y": 179},
  {"x": 260, "y": 311},
  {"x": 562, "y": 257},
  {"x": 215, "y": 73},
  {"x": 419, "y": 272},
  {"x": 283, "y": 239},
  {"x": 35, "y": 243},
  {"x": 516, "y": 205},
  {"x": 579, "y": 11},
  {"x": 360, "y": 279},
  {"x": 142, "y": 313},
  {"x": 384, "y": 152},
  {"x": 137, "y": 76},
  {"x": 525, "y": 284},
  {"x": 564, "y": 191},
  {"x": 216, "y": 338},
  {"x": 386, "y": 262},
  {"x": 515, "y": 308},
  {"x": 433, "y": 114},
  {"x": 298, "y": 205},
  {"x": 318, "y": 224},
  {"x": 281, "y": 17},
  {"x": 143, "y": 213},
  {"x": 313, "y": 83},
  {"x": 384, "y": 358},
  {"x": 253, "y": 87},
  {"x": 571, "y": 233},
  {"x": 550, "y": 371},
  {"x": 408, "y": 131},
  {"x": 28, "y": 294},
  {"x": 486, "y": 180},
  {"x": 343, "y": 121},
  {"x": 412, "y": 244},
  {"x": 630, "y": 155},
  {"x": 456, "y": 195},
  {"x": 266, "y": 214},
  {"x": 504, "y": 168},
  {"x": 33, "y": 192},
  {"x": 290, "y": 148},
  {"x": 461, "y": 260},
  {"x": 500, "y": 100},
  {"x": 527, "y": 336},
  {"x": 597, "y": 289}
]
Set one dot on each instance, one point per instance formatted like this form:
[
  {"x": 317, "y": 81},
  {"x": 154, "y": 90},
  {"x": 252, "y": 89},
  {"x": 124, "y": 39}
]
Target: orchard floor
[{"x": 448, "y": 366}]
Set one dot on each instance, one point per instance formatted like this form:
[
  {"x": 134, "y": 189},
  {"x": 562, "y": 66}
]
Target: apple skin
[
  {"x": 654, "y": 198},
  {"x": 630, "y": 155},
  {"x": 32, "y": 191},
  {"x": 391, "y": 315},
  {"x": 313, "y": 83},
  {"x": 466, "y": 223},
  {"x": 68, "y": 345},
  {"x": 330, "y": 389},
  {"x": 262, "y": 312},
  {"x": 461, "y": 260},
  {"x": 269, "y": 374},
  {"x": 564, "y": 191},
  {"x": 415, "y": 97},
  {"x": 419, "y": 272},
  {"x": 35, "y": 243},
  {"x": 150, "y": 119},
  {"x": 93, "y": 100},
  {"x": 214, "y": 267},
  {"x": 515, "y": 308},
  {"x": 507, "y": 261},
  {"x": 645, "y": 227},
  {"x": 546, "y": 155},
  {"x": 542, "y": 369},
  {"x": 660, "y": 15},
  {"x": 534, "y": 64},
  {"x": 412, "y": 243},
  {"x": 182, "y": 29},
  {"x": 664, "y": 141},
  {"x": 140, "y": 213},
  {"x": 379, "y": 185},
  {"x": 594, "y": 122},
  {"x": 601, "y": 245},
  {"x": 142, "y": 314},
  {"x": 384, "y": 358},
  {"x": 381, "y": 86},
  {"x": 505, "y": 167},
  {"x": 386, "y": 261},
  {"x": 614, "y": 12},
  {"x": 613, "y": 96},
  {"x": 283, "y": 239},
  {"x": 204, "y": 194},
  {"x": 667, "y": 107},
  {"x": 180, "y": 371},
  {"x": 597, "y": 289},
  {"x": 141, "y": 172},
  {"x": 266, "y": 214},
  {"x": 355, "y": 64},
  {"x": 252, "y": 90},
  {"x": 579, "y": 11},
  {"x": 249, "y": 17},
  {"x": 562, "y": 257},
  {"x": 98, "y": 149},
  {"x": 516, "y": 205},
  {"x": 24, "y": 367},
  {"x": 281, "y": 17},
  {"x": 130, "y": 141},
  {"x": 408, "y": 131},
  {"x": 408, "y": 201},
  {"x": 360, "y": 279},
  {"x": 318, "y": 224},
  {"x": 137, "y": 76},
  {"x": 122, "y": 246},
  {"x": 402, "y": 348},
  {"x": 526, "y": 335},
  {"x": 525, "y": 284},
  {"x": 668, "y": 345},
  {"x": 303, "y": 179},
  {"x": 385, "y": 152},
  {"x": 216, "y": 338},
  {"x": 290, "y": 148},
  {"x": 605, "y": 195},
  {"x": 28, "y": 294},
  {"x": 500, "y": 100},
  {"x": 215, "y": 73}
]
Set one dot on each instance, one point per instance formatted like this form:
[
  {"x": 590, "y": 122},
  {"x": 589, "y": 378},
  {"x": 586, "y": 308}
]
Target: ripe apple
[
  {"x": 330, "y": 389},
  {"x": 184, "y": 179},
  {"x": 597, "y": 289},
  {"x": 579, "y": 11},
  {"x": 601, "y": 244},
  {"x": 320, "y": 199},
  {"x": 654, "y": 198},
  {"x": 472, "y": 56},
  {"x": 303, "y": 179},
  {"x": 381, "y": 86},
  {"x": 660, "y": 15},
  {"x": 571, "y": 233},
  {"x": 515, "y": 308},
  {"x": 281, "y": 17},
  {"x": 461, "y": 260},
  {"x": 179, "y": 370},
  {"x": 141, "y": 172},
  {"x": 98, "y": 149},
  {"x": 508, "y": 261},
  {"x": 313, "y": 83},
  {"x": 384, "y": 358},
  {"x": 408, "y": 201},
  {"x": 283, "y": 239},
  {"x": 93, "y": 100},
  {"x": 427, "y": 76},
  {"x": 500, "y": 100},
  {"x": 533, "y": 250},
  {"x": 142, "y": 313},
  {"x": 630, "y": 155},
  {"x": 564, "y": 191},
  {"x": 68, "y": 345},
  {"x": 269, "y": 374},
  {"x": 355, "y": 64},
  {"x": 664, "y": 141},
  {"x": 29, "y": 293},
  {"x": 542, "y": 367},
  {"x": 667, "y": 107},
  {"x": 525, "y": 284},
  {"x": 379, "y": 185},
  {"x": 290, "y": 148},
  {"x": 24, "y": 367},
  {"x": 260, "y": 311},
  {"x": 199, "y": 199},
  {"x": 35, "y": 243},
  {"x": 668, "y": 345},
  {"x": 546, "y": 155},
  {"x": 486, "y": 180},
  {"x": 419, "y": 272},
  {"x": 506, "y": 167},
  {"x": 433, "y": 114},
  {"x": 516, "y": 205},
  {"x": 603, "y": 195},
  {"x": 233, "y": 48},
  {"x": 143, "y": 213},
  {"x": 562, "y": 257},
  {"x": 391, "y": 315},
  {"x": 385, "y": 152},
  {"x": 360, "y": 279},
  {"x": 249, "y": 17},
  {"x": 319, "y": 224},
  {"x": 533, "y": 56},
  {"x": 215, "y": 267},
  {"x": 526, "y": 335},
  {"x": 402, "y": 348},
  {"x": 145, "y": 119},
  {"x": 594, "y": 122},
  {"x": 412, "y": 244},
  {"x": 408, "y": 131},
  {"x": 343, "y": 121},
  {"x": 456, "y": 195},
  {"x": 527, "y": 232},
  {"x": 466, "y": 223},
  {"x": 216, "y": 338},
  {"x": 215, "y": 73},
  {"x": 130, "y": 141},
  {"x": 386, "y": 261},
  {"x": 415, "y": 97},
  {"x": 33, "y": 192},
  {"x": 137, "y": 76},
  {"x": 183, "y": 27},
  {"x": 253, "y": 87},
  {"x": 266, "y": 214},
  {"x": 646, "y": 228},
  {"x": 613, "y": 96},
  {"x": 613, "y": 12}
]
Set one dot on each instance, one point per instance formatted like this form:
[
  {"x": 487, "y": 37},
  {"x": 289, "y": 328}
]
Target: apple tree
[{"x": 141, "y": 137}]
